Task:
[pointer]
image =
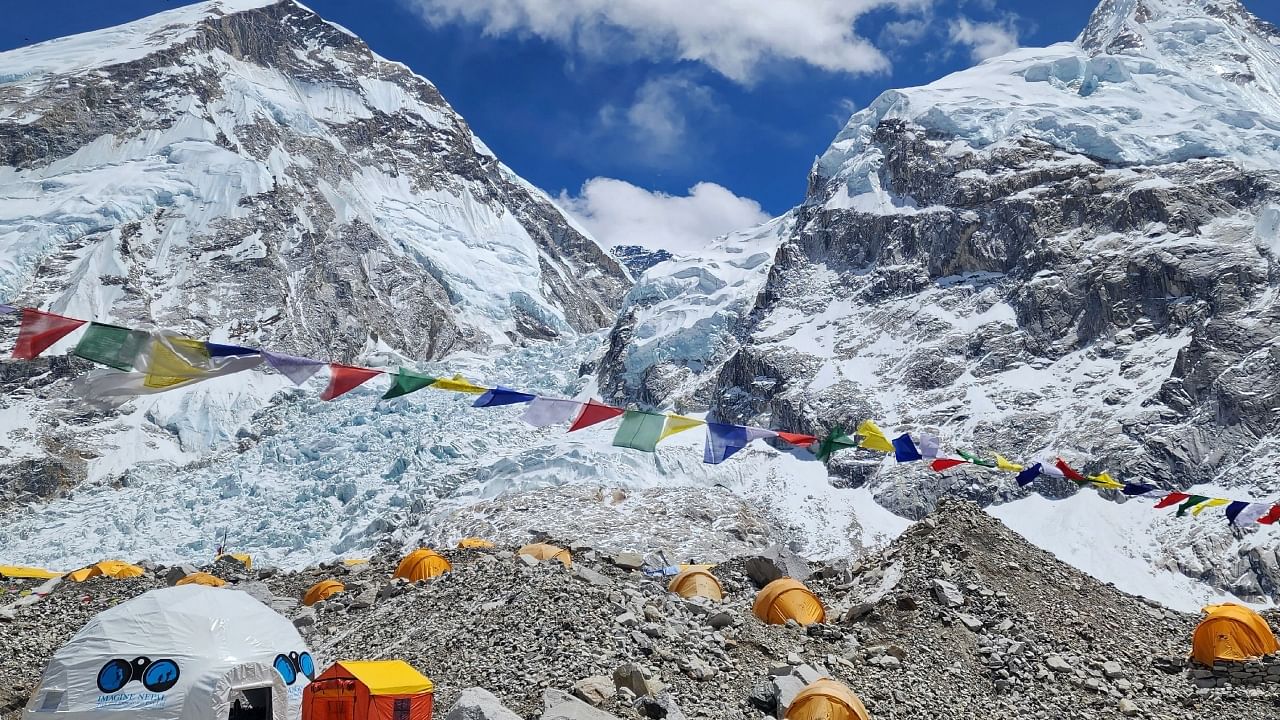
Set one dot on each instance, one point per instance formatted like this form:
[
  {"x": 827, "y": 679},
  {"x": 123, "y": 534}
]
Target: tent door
[{"x": 250, "y": 704}]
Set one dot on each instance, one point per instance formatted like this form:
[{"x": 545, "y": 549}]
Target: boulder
[
  {"x": 947, "y": 594},
  {"x": 479, "y": 704},
  {"x": 634, "y": 678},
  {"x": 596, "y": 689},
  {"x": 774, "y": 563},
  {"x": 628, "y": 561},
  {"x": 176, "y": 573},
  {"x": 559, "y": 705},
  {"x": 786, "y": 688},
  {"x": 591, "y": 577}
]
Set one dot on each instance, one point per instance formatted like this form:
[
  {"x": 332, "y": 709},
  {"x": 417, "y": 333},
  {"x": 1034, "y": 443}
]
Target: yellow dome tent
[
  {"x": 202, "y": 578},
  {"x": 1231, "y": 632},
  {"x": 788, "y": 599},
  {"x": 697, "y": 583},
  {"x": 422, "y": 564},
  {"x": 244, "y": 559},
  {"x": 544, "y": 552},
  {"x": 322, "y": 590},
  {"x": 116, "y": 569},
  {"x": 474, "y": 543},
  {"x": 30, "y": 573},
  {"x": 826, "y": 699}
]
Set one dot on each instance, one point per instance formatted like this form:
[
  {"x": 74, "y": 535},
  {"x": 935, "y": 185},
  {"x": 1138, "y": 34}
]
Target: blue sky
[{"x": 659, "y": 94}]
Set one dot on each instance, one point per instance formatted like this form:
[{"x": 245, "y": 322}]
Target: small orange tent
[
  {"x": 788, "y": 599},
  {"x": 368, "y": 690},
  {"x": 474, "y": 543},
  {"x": 322, "y": 590},
  {"x": 544, "y": 552},
  {"x": 826, "y": 699},
  {"x": 697, "y": 583},
  {"x": 244, "y": 559},
  {"x": 202, "y": 578},
  {"x": 422, "y": 564},
  {"x": 1231, "y": 632},
  {"x": 111, "y": 568}
]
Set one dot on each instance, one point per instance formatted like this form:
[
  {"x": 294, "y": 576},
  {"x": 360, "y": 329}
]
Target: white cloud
[
  {"x": 619, "y": 213},
  {"x": 733, "y": 36},
  {"x": 985, "y": 39},
  {"x": 656, "y": 124}
]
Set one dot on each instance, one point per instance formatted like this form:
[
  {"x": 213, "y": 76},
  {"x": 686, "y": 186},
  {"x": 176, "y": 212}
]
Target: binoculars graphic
[
  {"x": 156, "y": 676},
  {"x": 291, "y": 665}
]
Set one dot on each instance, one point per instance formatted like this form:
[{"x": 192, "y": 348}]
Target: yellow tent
[
  {"x": 543, "y": 552},
  {"x": 697, "y": 583},
  {"x": 826, "y": 699},
  {"x": 322, "y": 590},
  {"x": 388, "y": 677},
  {"x": 352, "y": 562},
  {"x": 1231, "y": 632},
  {"x": 788, "y": 599},
  {"x": 474, "y": 543},
  {"x": 19, "y": 571},
  {"x": 111, "y": 568},
  {"x": 202, "y": 578},
  {"x": 244, "y": 559},
  {"x": 422, "y": 564}
]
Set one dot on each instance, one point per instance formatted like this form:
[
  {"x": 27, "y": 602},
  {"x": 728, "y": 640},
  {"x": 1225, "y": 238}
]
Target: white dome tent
[{"x": 182, "y": 653}]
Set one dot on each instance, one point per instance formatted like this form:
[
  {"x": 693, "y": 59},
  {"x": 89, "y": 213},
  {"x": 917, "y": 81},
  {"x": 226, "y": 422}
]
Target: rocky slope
[
  {"x": 245, "y": 171},
  {"x": 1062, "y": 251},
  {"x": 959, "y": 616}
]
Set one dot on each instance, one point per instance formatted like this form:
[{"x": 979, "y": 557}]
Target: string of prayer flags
[
  {"x": 835, "y": 440},
  {"x": 345, "y": 378},
  {"x": 905, "y": 450},
  {"x": 502, "y": 396},
  {"x": 725, "y": 440},
  {"x": 545, "y": 411},
  {"x": 640, "y": 430},
  {"x": 593, "y": 412},
  {"x": 406, "y": 381},
  {"x": 38, "y": 330},
  {"x": 873, "y": 438},
  {"x": 297, "y": 369},
  {"x": 678, "y": 424},
  {"x": 1242, "y": 512},
  {"x": 458, "y": 384}
]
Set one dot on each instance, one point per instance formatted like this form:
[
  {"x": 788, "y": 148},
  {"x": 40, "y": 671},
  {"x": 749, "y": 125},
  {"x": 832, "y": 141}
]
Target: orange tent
[
  {"x": 368, "y": 690},
  {"x": 826, "y": 699},
  {"x": 422, "y": 564},
  {"x": 474, "y": 543},
  {"x": 543, "y": 552},
  {"x": 788, "y": 599},
  {"x": 697, "y": 583},
  {"x": 111, "y": 568},
  {"x": 202, "y": 578},
  {"x": 322, "y": 590},
  {"x": 1231, "y": 632}
]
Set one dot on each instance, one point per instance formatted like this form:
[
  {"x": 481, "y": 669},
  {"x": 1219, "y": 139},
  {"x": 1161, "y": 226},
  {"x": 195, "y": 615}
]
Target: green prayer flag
[
  {"x": 976, "y": 460},
  {"x": 111, "y": 345},
  {"x": 406, "y": 382},
  {"x": 640, "y": 430},
  {"x": 837, "y": 440},
  {"x": 1190, "y": 502}
]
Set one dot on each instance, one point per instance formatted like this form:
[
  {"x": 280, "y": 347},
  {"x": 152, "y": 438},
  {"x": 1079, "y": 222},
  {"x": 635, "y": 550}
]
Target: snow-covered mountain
[
  {"x": 246, "y": 171},
  {"x": 1066, "y": 250}
]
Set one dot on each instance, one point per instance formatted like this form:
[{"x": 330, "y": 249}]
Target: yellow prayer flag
[
  {"x": 678, "y": 423},
  {"x": 458, "y": 384},
  {"x": 1208, "y": 504},
  {"x": 873, "y": 438},
  {"x": 1106, "y": 482},
  {"x": 172, "y": 360},
  {"x": 1003, "y": 464}
]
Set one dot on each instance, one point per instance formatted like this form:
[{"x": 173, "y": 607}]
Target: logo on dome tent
[
  {"x": 294, "y": 664},
  {"x": 155, "y": 675}
]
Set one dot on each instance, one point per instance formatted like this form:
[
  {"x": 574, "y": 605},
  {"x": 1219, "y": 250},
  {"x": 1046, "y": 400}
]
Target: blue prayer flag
[
  {"x": 1027, "y": 476},
  {"x": 502, "y": 396},
  {"x": 904, "y": 449},
  {"x": 220, "y": 350}
]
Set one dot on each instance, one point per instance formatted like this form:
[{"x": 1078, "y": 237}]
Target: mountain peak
[{"x": 1119, "y": 25}]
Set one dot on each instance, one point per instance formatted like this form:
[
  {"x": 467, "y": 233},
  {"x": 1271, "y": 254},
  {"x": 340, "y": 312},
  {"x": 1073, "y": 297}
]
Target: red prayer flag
[
  {"x": 1271, "y": 517},
  {"x": 798, "y": 439},
  {"x": 1068, "y": 472},
  {"x": 39, "y": 330},
  {"x": 946, "y": 463},
  {"x": 1172, "y": 499},
  {"x": 344, "y": 378},
  {"x": 593, "y": 412}
]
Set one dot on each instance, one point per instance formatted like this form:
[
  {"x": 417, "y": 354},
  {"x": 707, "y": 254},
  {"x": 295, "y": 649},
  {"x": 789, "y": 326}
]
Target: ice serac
[
  {"x": 246, "y": 171},
  {"x": 1068, "y": 249}
]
